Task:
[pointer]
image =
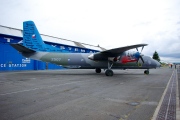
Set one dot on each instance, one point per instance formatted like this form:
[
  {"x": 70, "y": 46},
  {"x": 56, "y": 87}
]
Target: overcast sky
[{"x": 108, "y": 23}]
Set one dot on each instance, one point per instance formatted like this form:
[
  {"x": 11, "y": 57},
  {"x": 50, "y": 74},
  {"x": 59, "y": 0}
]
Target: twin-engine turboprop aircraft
[{"x": 118, "y": 58}]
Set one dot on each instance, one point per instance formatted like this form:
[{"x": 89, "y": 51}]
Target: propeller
[{"x": 139, "y": 55}]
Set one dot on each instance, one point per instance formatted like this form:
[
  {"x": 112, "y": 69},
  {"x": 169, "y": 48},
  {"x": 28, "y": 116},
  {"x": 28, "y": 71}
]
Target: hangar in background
[{"x": 10, "y": 59}]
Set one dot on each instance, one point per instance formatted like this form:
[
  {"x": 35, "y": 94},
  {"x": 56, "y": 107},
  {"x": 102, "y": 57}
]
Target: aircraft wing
[
  {"x": 123, "y": 49},
  {"x": 103, "y": 55}
]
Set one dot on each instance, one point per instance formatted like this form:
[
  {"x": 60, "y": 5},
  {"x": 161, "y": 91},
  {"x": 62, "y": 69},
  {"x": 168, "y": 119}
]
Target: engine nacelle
[
  {"x": 127, "y": 59},
  {"x": 114, "y": 59}
]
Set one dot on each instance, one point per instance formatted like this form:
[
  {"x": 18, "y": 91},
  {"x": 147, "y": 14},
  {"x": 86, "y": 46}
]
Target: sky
[{"x": 108, "y": 23}]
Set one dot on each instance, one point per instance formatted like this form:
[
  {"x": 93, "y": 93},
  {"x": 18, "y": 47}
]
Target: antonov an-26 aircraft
[{"x": 118, "y": 58}]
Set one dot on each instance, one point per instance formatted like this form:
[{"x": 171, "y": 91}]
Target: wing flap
[{"x": 122, "y": 49}]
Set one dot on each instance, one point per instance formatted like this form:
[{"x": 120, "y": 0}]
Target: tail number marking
[{"x": 55, "y": 59}]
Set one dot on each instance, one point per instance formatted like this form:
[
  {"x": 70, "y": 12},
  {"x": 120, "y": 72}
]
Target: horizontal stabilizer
[{"x": 22, "y": 49}]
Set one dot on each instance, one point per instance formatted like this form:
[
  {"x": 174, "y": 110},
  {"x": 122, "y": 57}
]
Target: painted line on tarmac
[
  {"x": 161, "y": 100},
  {"x": 167, "y": 108},
  {"x": 177, "y": 98},
  {"x": 51, "y": 86}
]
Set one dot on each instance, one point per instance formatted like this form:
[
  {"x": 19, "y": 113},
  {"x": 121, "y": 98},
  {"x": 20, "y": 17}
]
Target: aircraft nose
[{"x": 157, "y": 63}]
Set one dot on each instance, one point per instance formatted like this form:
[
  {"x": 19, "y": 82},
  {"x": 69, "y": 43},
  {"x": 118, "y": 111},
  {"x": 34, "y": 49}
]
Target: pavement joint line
[
  {"x": 38, "y": 88},
  {"x": 161, "y": 100}
]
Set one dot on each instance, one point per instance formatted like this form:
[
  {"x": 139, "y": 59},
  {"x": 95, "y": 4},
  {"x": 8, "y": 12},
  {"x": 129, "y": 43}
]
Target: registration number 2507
[{"x": 55, "y": 59}]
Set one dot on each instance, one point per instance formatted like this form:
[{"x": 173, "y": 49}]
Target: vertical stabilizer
[{"x": 31, "y": 37}]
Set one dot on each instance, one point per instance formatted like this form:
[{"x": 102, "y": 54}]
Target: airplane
[{"x": 117, "y": 58}]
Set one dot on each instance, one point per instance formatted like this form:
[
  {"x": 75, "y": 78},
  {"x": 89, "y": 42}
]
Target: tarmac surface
[{"x": 81, "y": 94}]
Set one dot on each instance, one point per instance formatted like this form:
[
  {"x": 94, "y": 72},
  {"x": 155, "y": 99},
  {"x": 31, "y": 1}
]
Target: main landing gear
[
  {"x": 146, "y": 72},
  {"x": 98, "y": 70},
  {"x": 109, "y": 72}
]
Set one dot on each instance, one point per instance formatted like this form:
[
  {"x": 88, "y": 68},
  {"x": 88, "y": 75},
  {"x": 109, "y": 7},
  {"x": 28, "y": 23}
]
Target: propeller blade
[
  {"x": 142, "y": 59},
  {"x": 142, "y": 48},
  {"x": 140, "y": 54},
  {"x": 137, "y": 61},
  {"x": 137, "y": 49}
]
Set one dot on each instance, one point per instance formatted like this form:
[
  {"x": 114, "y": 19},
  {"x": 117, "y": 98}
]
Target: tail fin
[{"x": 31, "y": 37}]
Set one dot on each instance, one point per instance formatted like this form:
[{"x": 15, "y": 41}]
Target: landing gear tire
[
  {"x": 98, "y": 70},
  {"x": 146, "y": 72},
  {"x": 109, "y": 72}
]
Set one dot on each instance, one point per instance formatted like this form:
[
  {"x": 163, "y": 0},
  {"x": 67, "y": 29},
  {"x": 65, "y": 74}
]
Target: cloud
[
  {"x": 170, "y": 59},
  {"x": 178, "y": 22},
  {"x": 162, "y": 45},
  {"x": 107, "y": 23},
  {"x": 173, "y": 55}
]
